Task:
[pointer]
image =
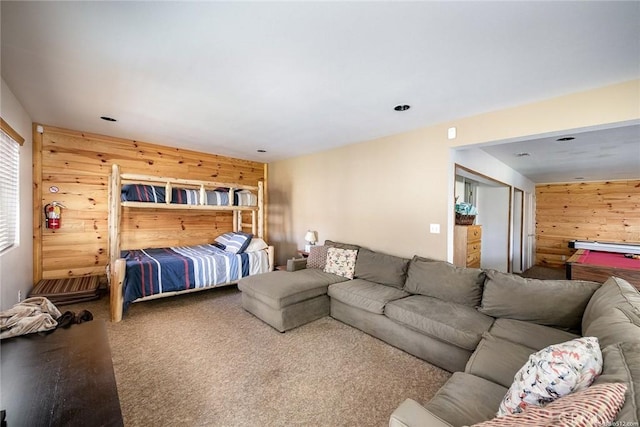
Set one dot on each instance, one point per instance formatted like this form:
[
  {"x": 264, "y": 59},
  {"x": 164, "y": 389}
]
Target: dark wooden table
[{"x": 64, "y": 378}]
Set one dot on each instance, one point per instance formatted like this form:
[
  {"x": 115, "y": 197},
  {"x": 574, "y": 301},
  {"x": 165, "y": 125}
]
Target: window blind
[{"x": 9, "y": 167}]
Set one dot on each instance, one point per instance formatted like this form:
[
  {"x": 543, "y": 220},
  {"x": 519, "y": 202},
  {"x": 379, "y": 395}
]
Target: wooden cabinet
[{"x": 467, "y": 245}]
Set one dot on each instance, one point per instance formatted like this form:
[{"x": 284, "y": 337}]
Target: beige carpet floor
[{"x": 201, "y": 360}]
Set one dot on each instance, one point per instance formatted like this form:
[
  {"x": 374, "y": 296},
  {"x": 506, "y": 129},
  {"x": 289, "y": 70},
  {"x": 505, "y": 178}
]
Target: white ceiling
[
  {"x": 300, "y": 77},
  {"x": 594, "y": 155}
]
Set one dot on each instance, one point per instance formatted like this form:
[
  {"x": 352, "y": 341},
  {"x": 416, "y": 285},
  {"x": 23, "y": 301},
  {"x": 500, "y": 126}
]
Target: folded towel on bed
[{"x": 31, "y": 315}]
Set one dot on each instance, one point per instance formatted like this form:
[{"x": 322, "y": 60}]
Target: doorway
[{"x": 493, "y": 199}]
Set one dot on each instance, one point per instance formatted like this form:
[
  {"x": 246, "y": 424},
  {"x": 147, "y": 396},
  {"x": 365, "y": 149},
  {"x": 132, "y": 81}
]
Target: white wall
[
  {"x": 493, "y": 205},
  {"x": 16, "y": 264}
]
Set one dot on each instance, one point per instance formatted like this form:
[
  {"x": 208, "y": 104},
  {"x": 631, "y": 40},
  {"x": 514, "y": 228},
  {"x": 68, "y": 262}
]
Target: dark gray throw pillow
[{"x": 317, "y": 257}]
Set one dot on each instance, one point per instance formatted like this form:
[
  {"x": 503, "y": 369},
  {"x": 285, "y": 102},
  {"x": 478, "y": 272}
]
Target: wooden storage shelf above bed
[
  {"x": 202, "y": 188},
  {"x": 147, "y": 205}
]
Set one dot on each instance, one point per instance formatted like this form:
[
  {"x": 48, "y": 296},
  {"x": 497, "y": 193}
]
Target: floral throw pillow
[
  {"x": 341, "y": 262},
  {"x": 553, "y": 372}
]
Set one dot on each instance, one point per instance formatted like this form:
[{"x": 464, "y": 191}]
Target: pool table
[{"x": 598, "y": 266}]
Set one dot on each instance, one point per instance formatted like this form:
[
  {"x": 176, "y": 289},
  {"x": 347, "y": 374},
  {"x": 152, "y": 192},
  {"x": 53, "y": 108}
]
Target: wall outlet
[
  {"x": 19, "y": 295},
  {"x": 434, "y": 228}
]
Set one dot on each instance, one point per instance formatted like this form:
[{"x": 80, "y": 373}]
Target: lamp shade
[{"x": 311, "y": 237}]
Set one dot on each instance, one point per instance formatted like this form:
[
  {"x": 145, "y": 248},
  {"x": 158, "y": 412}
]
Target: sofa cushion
[
  {"x": 615, "y": 292},
  {"x": 613, "y": 313},
  {"x": 594, "y": 406},
  {"x": 528, "y": 334},
  {"x": 440, "y": 279},
  {"x": 619, "y": 325},
  {"x": 466, "y": 399},
  {"x": 411, "y": 413},
  {"x": 280, "y": 289},
  {"x": 381, "y": 268},
  {"x": 365, "y": 295},
  {"x": 621, "y": 364},
  {"x": 453, "y": 323},
  {"x": 558, "y": 303},
  {"x": 341, "y": 245},
  {"x": 553, "y": 372},
  {"x": 498, "y": 360}
]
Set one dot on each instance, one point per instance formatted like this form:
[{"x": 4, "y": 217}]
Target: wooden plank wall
[
  {"x": 603, "y": 211},
  {"x": 79, "y": 165}
]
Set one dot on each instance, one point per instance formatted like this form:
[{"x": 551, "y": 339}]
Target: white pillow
[
  {"x": 256, "y": 244},
  {"x": 341, "y": 262},
  {"x": 553, "y": 372}
]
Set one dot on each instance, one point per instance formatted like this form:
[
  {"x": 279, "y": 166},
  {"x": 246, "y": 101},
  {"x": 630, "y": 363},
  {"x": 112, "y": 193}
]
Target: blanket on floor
[{"x": 31, "y": 315}]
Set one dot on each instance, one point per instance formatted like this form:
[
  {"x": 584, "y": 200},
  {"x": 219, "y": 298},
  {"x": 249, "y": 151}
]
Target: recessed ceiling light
[
  {"x": 261, "y": 151},
  {"x": 565, "y": 139},
  {"x": 579, "y": 178},
  {"x": 402, "y": 107},
  {"x": 523, "y": 154},
  {"x": 108, "y": 119}
]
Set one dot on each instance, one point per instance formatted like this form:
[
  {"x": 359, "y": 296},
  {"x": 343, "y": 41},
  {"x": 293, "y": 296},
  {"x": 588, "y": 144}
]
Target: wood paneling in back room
[
  {"x": 603, "y": 211},
  {"x": 79, "y": 164}
]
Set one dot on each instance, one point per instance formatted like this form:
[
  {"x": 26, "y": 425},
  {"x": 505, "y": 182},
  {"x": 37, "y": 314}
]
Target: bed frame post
[
  {"x": 235, "y": 221},
  {"x": 261, "y": 209},
  {"x": 271, "y": 255},
  {"x": 116, "y": 296},
  {"x": 116, "y": 264},
  {"x": 168, "y": 193},
  {"x": 114, "y": 214},
  {"x": 203, "y": 195}
]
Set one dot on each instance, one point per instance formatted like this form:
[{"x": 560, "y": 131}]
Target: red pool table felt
[{"x": 609, "y": 259}]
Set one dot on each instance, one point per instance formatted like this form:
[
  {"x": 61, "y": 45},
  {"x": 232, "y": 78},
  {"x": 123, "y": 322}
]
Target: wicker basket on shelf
[{"x": 464, "y": 219}]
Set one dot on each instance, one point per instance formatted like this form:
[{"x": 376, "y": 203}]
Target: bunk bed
[{"x": 139, "y": 274}]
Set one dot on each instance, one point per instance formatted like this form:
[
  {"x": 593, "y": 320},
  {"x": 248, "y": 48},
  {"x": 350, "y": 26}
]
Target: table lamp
[{"x": 311, "y": 237}]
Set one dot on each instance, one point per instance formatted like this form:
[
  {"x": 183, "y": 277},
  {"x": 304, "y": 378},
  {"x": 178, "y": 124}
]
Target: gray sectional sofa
[{"x": 480, "y": 325}]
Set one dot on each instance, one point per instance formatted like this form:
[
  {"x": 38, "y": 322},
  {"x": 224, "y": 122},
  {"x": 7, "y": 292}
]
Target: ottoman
[{"x": 286, "y": 300}]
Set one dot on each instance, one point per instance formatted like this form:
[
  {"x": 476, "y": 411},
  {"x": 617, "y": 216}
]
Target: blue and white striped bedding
[
  {"x": 185, "y": 196},
  {"x": 154, "y": 271}
]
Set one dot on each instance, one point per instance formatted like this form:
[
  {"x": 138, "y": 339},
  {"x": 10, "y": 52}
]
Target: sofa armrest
[
  {"x": 296, "y": 264},
  {"x": 411, "y": 414}
]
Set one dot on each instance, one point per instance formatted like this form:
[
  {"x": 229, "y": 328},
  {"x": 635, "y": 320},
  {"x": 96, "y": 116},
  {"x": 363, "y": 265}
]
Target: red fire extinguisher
[{"x": 53, "y": 214}]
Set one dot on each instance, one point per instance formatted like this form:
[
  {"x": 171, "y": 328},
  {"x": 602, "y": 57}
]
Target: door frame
[{"x": 498, "y": 183}]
